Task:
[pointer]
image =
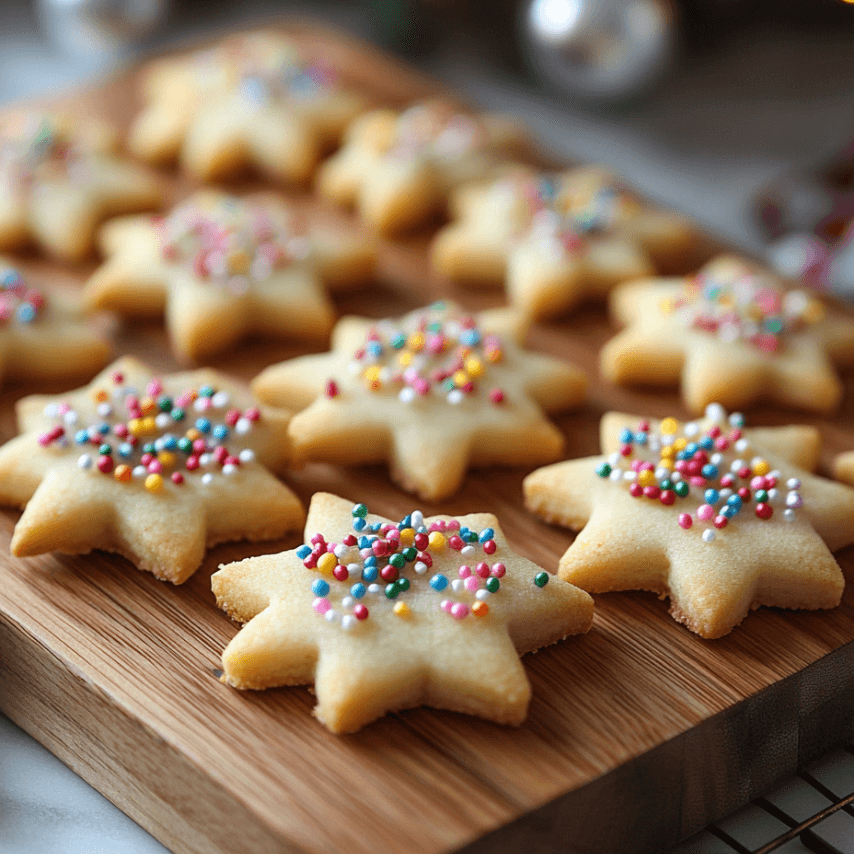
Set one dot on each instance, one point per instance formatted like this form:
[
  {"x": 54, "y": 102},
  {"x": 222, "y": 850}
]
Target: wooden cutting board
[{"x": 638, "y": 734}]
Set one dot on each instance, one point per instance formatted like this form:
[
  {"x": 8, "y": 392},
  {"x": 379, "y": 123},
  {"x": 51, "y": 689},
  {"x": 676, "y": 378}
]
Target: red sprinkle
[
  {"x": 360, "y": 612},
  {"x": 764, "y": 511},
  {"x": 496, "y": 396},
  {"x": 489, "y": 547},
  {"x": 721, "y": 521},
  {"x": 685, "y": 521},
  {"x": 331, "y": 388}
]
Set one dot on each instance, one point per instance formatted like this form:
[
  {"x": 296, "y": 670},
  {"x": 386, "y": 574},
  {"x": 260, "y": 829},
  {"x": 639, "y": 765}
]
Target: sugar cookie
[
  {"x": 155, "y": 469},
  {"x": 448, "y": 593},
  {"x": 431, "y": 393},
  {"x": 717, "y": 518}
]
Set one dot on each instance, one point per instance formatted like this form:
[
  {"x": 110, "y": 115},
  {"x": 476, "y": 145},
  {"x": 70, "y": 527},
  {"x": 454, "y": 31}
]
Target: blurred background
[{"x": 739, "y": 112}]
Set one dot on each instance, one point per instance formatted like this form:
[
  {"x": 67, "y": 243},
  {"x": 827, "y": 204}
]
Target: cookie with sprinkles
[
  {"x": 221, "y": 267},
  {"x": 430, "y": 393},
  {"x": 718, "y": 517},
  {"x": 60, "y": 178},
  {"x": 555, "y": 239},
  {"x": 397, "y": 169},
  {"x": 448, "y": 591},
  {"x": 256, "y": 99},
  {"x": 43, "y": 335},
  {"x": 157, "y": 469},
  {"x": 732, "y": 334}
]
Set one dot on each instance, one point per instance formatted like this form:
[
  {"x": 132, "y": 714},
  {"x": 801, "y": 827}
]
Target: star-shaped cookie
[
  {"x": 732, "y": 334},
  {"x": 60, "y": 178},
  {"x": 256, "y": 99},
  {"x": 557, "y": 238},
  {"x": 157, "y": 469},
  {"x": 398, "y": 168},
  {"x": 718, "y": 518},
  {"x": 448, "y": 594},
  {"x": 431, "y": 393},
  {"x": 42, "y": 335},
  {"x": 222, "y": 267}
]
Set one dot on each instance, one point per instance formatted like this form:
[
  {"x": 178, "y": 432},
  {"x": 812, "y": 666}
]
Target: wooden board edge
[
  {"x": 158, "y": 787},
  {"x": 734, "y": 756}
]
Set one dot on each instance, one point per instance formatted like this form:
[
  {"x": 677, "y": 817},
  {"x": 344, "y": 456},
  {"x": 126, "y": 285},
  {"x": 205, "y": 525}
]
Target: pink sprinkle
[
  {"x": 220, "y": 454},
  {"x": 685, "y": 521},
  {"x": 425, "y": 558},
  {"x": 360, "y": 612},
  {"x": 705, "y": 511},
  {"x": 120, "y": 430},
  {"x": 232, "y": 461},
  {"x": 498, "y": 570},
  {"x": 496, "y": 396},
  {"x": 310, "y": 562},
  {"x": 331, "y": 388},
  {"x": 636, "y": 465},
  {"x": 154, "y": 467},
  {"x": 472, "y": 583},
  {"x": 199, "y": 446},
  {"x": 453, "y": 525},
  {"x": 459, "y": 610},
  {"x": 317, "y": 538},
  {"x": 482, "y": 569},
  {"x": 465, "y": 571},
  {"x": 635, "y": 490},
  {"x": 154, "y": 388},
  {"x": 177, "y": 478},
  {"x": 253, "y": 413},
  {"x": 232, "y": 417},
  {"x": 192, "y": 463},
  {"x": 445, "y": 605},
  {"x": 697, "y": 480},
  {"x": 321, "y": 605}
]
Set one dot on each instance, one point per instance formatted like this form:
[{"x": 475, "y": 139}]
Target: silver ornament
[{"x": 599, "y": 50}]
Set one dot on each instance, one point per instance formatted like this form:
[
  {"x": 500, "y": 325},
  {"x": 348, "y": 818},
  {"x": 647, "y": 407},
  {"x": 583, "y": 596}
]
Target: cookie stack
[{"x": 160, "y": 465}]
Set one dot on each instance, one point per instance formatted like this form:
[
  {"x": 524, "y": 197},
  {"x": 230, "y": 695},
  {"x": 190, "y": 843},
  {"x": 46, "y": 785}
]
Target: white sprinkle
[
  {"x": 793, "y": 483},
  {"x": 630, "y": 475},
  {"x": 741, "y": 446},
  {"x": 205, "y": 459},
  {"x": 104, "y": 410},
  {"x": 207, "y": 478},
  {"x": 467, "y": 551},
  {"x": 200, "y": 404},
  {"x": 793, "y": 499},
  {"x": 716, "y": 459},
  {"x": 715, "y": 412},
  {"x": 616, "y": 475},
  {"x": 708, "y": 535},
  {"x": 775, "y": 473},
  {"x": 789, "y": 514},
  {"x": 457, "y": 585},
  {"x": 676, "y": 477},
  {"x": 615, "y": 458},
  {"x": 735, "y": 465},
  {"x": 366, "y": 552},
  {"x": 71, "y": 417},
  {"x": 50, "y": 410},
  {"x": 331, "y": 616},
  {"x": 654, "y": 444},
  {"x": 736, "y": 419},
  {"x": 348, "y": 622},
  {"x": 374, "y": 588},
  {"x": 340, "y": 550},
  {"x": 455, "y": 397},
  {"x": 417, "y": 519},
  {"x": 725, "y": 493},
  {"x": 247, "y": 455},
  {"x": 243, "y": 426},
  {"x": 220, "y": 399},
  {"x": 162, "y": 421},
  {"x": 229, "y": 469},
  {"x": 773, "y": 495},
  {"x": 348, "y": 602},
  {"x": 691, "y": 428},
  {"x": 140, "y": 471},
  {"x": 662, "y": 473},
  {"x": 420, "y": 567},
  {"x": 482, "y": 594},
  {"x": 84, "y": 461},
  {"x": 406, "y": 395},
  {"x": 354, "y": 568}
]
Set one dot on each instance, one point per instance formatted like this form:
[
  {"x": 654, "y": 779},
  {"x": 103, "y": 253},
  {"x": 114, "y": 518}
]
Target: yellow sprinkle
[
  {"x": 372, "y": 374},
  {"x": 166, "y": 458},
  {"x": 148, "y": 425},
  {"x": 416, "y": 341},
  {"x": 100, "y": 395},
  {"x": 192, "y": 434},
  {"x": 154, "y": 483},
  {"x": 147, "y": 405},
  {"x": 327, "y": 562},
  {"x": 474, "y": 367},
  {"x": 436, "y": 540},
  {"x": 122, "y": 473},
  {"x": 646, "y": 478},
  {"x": 669, "y": 426},
  {"x": 668, "y": 451},
  {"x": 407, "y": 536},
  {"x": 405, "y": 359},
  {"x": 666, "y": 306},
  {"x": 761, "y": 467},
  {"x": 460, "y": 378},
  {"x": 401, "y": 609},
  {"x": 480, "y": 609},
  {"x": 135, "y": 426},
  {"x": 665, "y": 463},
  {"x": 680, "y": 443}
]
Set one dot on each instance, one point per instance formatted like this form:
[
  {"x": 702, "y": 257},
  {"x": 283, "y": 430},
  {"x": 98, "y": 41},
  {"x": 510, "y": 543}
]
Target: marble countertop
[{"x": 729, "y": 121}]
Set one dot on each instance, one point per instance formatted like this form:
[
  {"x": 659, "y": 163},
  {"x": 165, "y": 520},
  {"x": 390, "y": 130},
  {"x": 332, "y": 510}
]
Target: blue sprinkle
[
  {"x": 303, "y": 552},
  {"x": 103, "y": 428},
  {"x": 81, "y": 437},
  {"x": 319, "y": 587},
  {"x": 125, "y": 449},
  {"x": 203, "y": 425},
  {"x": 711, "y": 496},
  {"x": 359, "y": 524},
  {"x": 626, "y": 436},
  {"x": 486, "y": 534},
  {"x": 729, "y": 510},
  {"x": 371, "y": 560},
  {"x": 369, "y": 573},
  {"x": 406, "y": 522},
  {"x": 438, "y": 582},
  {"x": 374, "y": 348},
  {"x": 691, "y": 448},
  {"x": 364, "y": 542},
  {"x": 358, "y": 590},
  {"x": 376, "y": 526},
  {"x": 25, "y": 313},
  {"x": 220, "y": 432},
  {"x": 709, "y": 471},
  {"x": 470, "y": 337},
  {"x": 641, "y": 438},
  {"x": 170, "y": 442},
  {"x": 735, "y": 501},
  {"x": 707, "y": 443}
]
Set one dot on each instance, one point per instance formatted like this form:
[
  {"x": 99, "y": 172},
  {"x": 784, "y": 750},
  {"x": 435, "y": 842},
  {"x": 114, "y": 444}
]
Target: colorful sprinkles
[
  {"x": 32, "y": 145},
  {"x": 19, "y": 303},
  {"x": 379, "y": 562},
  {"x": 433, "y": 353},
  {"x": 737, "y": 304},
  {"x": 681, "y": 462},
  {"x": 229, "y": 242},
  {"x": 433, "y": 130},
  {"x": 154, "y": 437}
]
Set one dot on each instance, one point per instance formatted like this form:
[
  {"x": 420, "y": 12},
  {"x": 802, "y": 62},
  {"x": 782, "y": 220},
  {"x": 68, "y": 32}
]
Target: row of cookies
[{"x": 339, "y": 380}]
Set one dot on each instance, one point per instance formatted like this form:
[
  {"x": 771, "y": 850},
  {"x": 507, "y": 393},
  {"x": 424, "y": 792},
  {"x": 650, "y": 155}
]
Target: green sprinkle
[
  {"x": 541, "y": 579},
  {"x": 603, "y": 470},
  {"x": 177, "y": 414},
  {"x": 682, "y": 489},
  {"x": 397, "y": 561},
  {"x": 164, "y": 404},
  {"x": 185, "y": 445},
  {"x": 403, "y": 584},
  {"x": 410, "y": 553},
  {"x": 360, "y": 510},
  {"x": 391, "y": 590},
  {"x": 666, "y": 484},
  {"x": 105, "y": 449},
  {"x": 206, "y": 391},
  {"x": 492, "y": 584}
]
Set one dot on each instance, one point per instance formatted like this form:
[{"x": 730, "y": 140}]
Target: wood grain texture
[{"x": 638, "y": 733}]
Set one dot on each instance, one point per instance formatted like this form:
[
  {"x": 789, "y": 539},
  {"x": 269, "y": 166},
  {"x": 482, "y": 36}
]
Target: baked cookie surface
[
  {"x": 43, "y": 335},
  {"x": 154, "y": 468},
  {"x": 398, "y": 168},
  {"x": 430, "y": 393},
  {"x": 557, "y": 238},
  {"x": 221, "y": 267},
  {"x": 381, "y": 616},
  {"x": 256, "y": 99},
  {"x": 60, "y": 178},
  {"x": 718, "y": 518},
  {"x": 730, "y": 334}
]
